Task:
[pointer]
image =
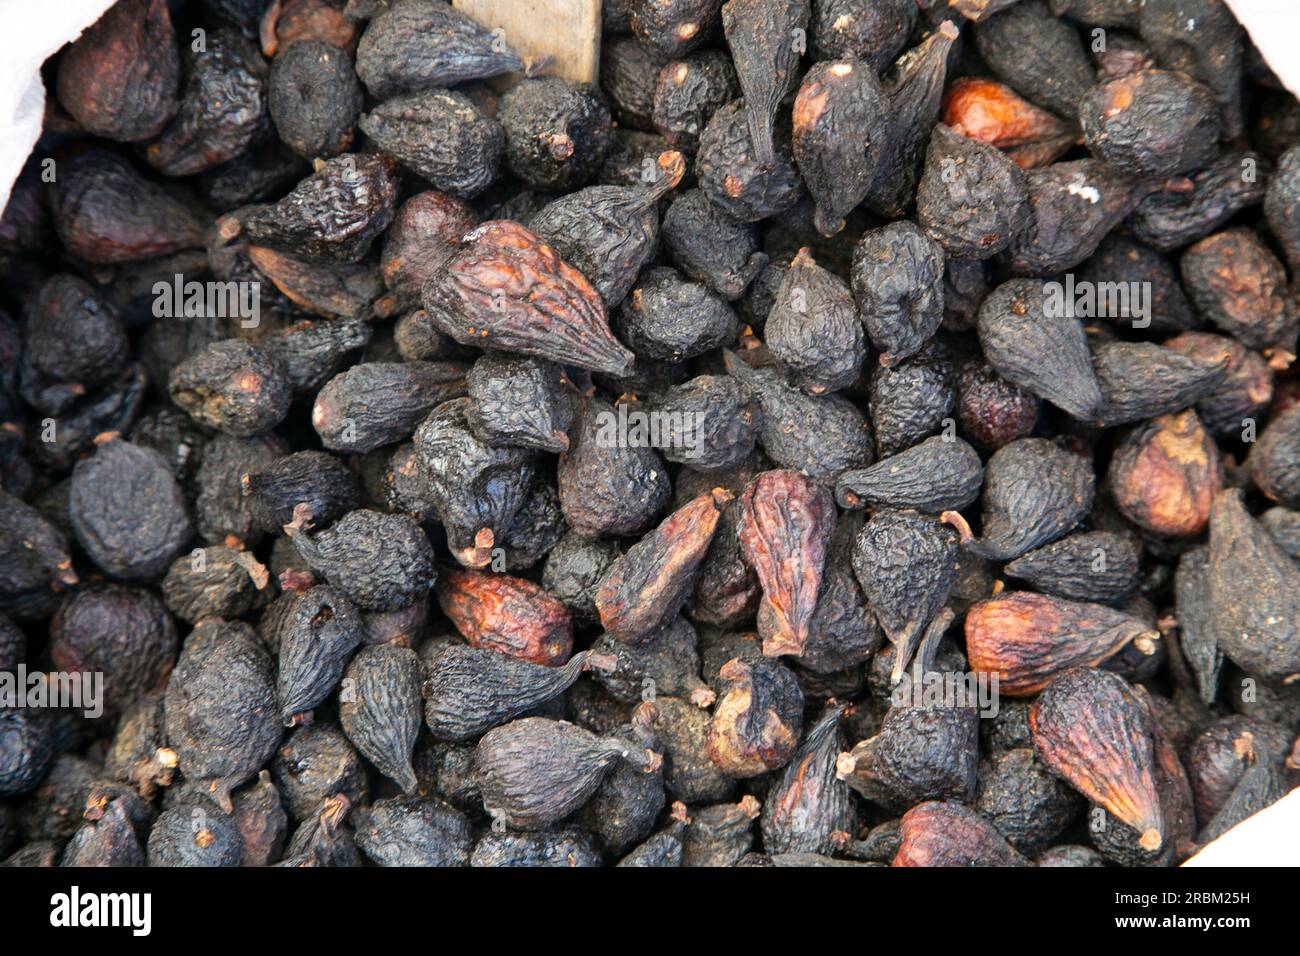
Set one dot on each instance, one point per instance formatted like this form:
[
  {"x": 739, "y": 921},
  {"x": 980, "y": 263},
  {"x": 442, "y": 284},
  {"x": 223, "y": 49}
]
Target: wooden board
[{"x": 567, "y": 31}]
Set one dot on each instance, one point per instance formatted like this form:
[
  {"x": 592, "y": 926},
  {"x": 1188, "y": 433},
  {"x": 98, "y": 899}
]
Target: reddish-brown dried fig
[
  {"x": 786, "y": 524},
  {"x": 120, "y": 79},
  {"x": 810, "y": 810},
  {"x": 507, "y": 289},
  {"x": 942, "y": 833},
  {"x": 507, "y": 614},
  {"x": 1093, "y": 730},
  {"x": 1027, "y": 638},
  {"x": 758, "y": 720},
  {"x": 645, "y": 588},
  {"x": 1165, "y": 474},
  {"x": 991, "y": 112}
]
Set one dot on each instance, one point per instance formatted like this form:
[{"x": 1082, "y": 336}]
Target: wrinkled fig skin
[
  {"x": 667, "y": 318},
  {"x": 1212, "y": 53},
  {"x": 1247, "y": 387},
  {"x": 441, "y": 136},
  {"x": 35, "y": 559},
  {"x": 319, "y": 480},
  {"x": 645, "y": 588},
  {"x": 1168, "y": 220},
  {"x": 1165, "y": 473},
  {"x": 520, "y": 401},
  {"x": 1140, "y": 380},
  {"x": 334, "y": 215},
  {"x": 1275, "y": 460},
  {"x": 727, "y": 417},
  {"x": 758, "y": 719},
  {"x": 534, "y": 772},
  {"x": 843, "y": 631},
  {"x": 915, "y": 96},
  {"x": 608, "y": 487},
  {"x": 574, "y": 568},
  {"x": 910, "y": 401},
  {"x": 971, "y": 199},
  {"x": 380, "y": 562},
  {"x": 221, "y": 713},
  {"x": 759, "y": 33},
  {"x": 810, "y": 810},
  {"x": 785, "y": 528},
  {"x": 1254, "y": 593},
  {"x": 1092, "y": 729},
  {"x": 121, "y": 632},
  {"x": 1282, "y": 204},
  {"x": 1236, "y": 282},
  {"x": 470, "y": 690},
  {"x": 1024, "y": 800},
  {"x": 1027, "y": 639},
  {"x": 813, "y": 327},
  {"x": 667, "y": 662},
  {"x": 507, "y": 289},
  {"x": 378, "y": 403},
  {"x": 1101, "y": 566},
  {"x": 222, "y": 107},
  {"x": 316, "y": 636},
  {"x": 413, "y": 831},
  {"x": 1075, "y": 205},
  {"x": 939, "y": 474},
  {"x": 380, "y": 709},
  {"x": 557, "y": 132},
  {"x": 1150, "y": 123},
  {"x": 667, "y": 28},
  {"x": 906, "y": 563},
  {"x": 194, "y": 835},
  {"x": 1223, "y": 753},
  {"x": 898, "y": 284},
  {"x": 119, "y": 80},
  {"x": 1035, "y": 344},
  {"x": 75, "y": 341},
  {"x": 609, "y": 232},
  {"x": 735, "y": 180},
  {"x": 1037, "y": 54},
  {"x": 631, "y": 799},
  {"x": 128, "y": 513},
  {"x": 395, "y": 55},
  {"x": 105, "y": 211},
  {"x": 943, "y": 833},
  {"x": 566, "y": 848},
  {"x": 27, "y": 751},
  {"x": 1197, "y": 640},
  {"x": 819, "y": 435},
  {"x": 477, "y": 488},
  {"x": 711, "y": 246},
  {"x": 313, "y": 97},
  {"x": 920, "y": 753},
  {"x": 839, "y": 122},
  {"x": 508, "y": 615},
  {"x": 1034, "y": 492},
  {"x": 688, "y": 92},
  {"x": 233, "y": 386}
]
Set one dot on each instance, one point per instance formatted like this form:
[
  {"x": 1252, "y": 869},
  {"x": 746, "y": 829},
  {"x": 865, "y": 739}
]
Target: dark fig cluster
[{"x": 836, "y": 433}]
